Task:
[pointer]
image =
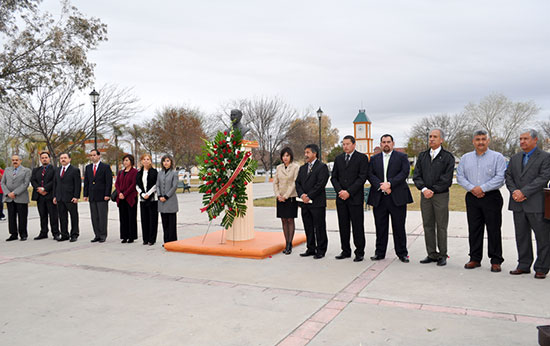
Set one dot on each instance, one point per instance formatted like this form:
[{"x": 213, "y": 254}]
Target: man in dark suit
[
  {"x": 389, "y": 195},
  {"x": 67, "y": 186},
  {"x": 98, "y": 182},
  {"x": 42, "y": 180},
  {"x": 348, "y": 179},
  {"x": 310, "y": 186},
  {"x": 526, "y": 176}
]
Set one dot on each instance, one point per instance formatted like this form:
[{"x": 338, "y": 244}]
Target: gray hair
[
  {"x": 441, "y": 133},
  {"x": 481, "y": 132},
  {"x": 532, "y": 132}
]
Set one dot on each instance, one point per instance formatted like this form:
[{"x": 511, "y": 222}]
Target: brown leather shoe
[
  {"x": 539, "y": 275},
  {"x": 472, "y": 265},
  {"x": 519, "y": 272},
  {"x": 495, "y": 268}
]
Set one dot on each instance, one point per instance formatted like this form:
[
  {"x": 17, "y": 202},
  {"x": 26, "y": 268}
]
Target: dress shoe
[
  {"x": 377, "y": 258},
  {"x": 358, "y": 258},
  {"x": 495, "y": 268},
  {"x": 519, "y": 272},
  {"x": 101, "y": 240},
  {"x": 63, "y": 238},
  {"x": 145, "y": 243},
  {"x": 124, "y": 241},
  {"x": 472, "y": 265},
  {"x": 318, "y": 256},
  {"x": 442, "y": 262},
  {"x": 539, "y": 275},
  {"x": 428, "y": 259},
  {"x": 342, "y": 256},
  {"x": 23, "y": 238},
  {"x": 56, "y": 237},
  {"x": 130, "y": 241},
  {"x": 41, "y": 236},
  {"x": 307, "y": 253},
  {"x": 95, "y": 240},
  {"x": 73, "y": 239},
  {"x": 150, "y": 244},
  {"x": 13, "y": 237},
  {"x": 404, "y": 259}
]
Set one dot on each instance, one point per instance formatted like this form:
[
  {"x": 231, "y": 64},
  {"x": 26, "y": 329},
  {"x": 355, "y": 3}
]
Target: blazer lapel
[{"x": 532, "y": 159}]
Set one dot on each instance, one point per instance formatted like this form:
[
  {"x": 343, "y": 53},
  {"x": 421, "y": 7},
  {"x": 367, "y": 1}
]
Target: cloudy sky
[{"x": 401, "y": 60}]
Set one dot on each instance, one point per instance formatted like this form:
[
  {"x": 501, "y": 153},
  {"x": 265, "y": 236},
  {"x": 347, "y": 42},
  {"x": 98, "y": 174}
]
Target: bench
[
  {"x": 331, "y": 194},
  {"x": 185, "y": 186}
]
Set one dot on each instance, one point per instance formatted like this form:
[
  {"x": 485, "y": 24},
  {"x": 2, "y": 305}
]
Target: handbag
[{"x": 114, "y": 195}]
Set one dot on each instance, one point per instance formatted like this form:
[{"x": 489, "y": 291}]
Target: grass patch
[{"x": 456, "y": 200}]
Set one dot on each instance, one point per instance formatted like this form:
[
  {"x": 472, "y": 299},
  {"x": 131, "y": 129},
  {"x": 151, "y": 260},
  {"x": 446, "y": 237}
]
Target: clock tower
[{"x": 363, "y": 135}]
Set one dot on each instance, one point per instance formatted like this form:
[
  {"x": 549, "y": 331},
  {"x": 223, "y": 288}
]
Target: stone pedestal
[{"x": 243, "y": 227}]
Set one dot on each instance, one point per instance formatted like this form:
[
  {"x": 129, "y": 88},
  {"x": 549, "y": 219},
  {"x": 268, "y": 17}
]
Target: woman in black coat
[{"x": 148, "y": 204}]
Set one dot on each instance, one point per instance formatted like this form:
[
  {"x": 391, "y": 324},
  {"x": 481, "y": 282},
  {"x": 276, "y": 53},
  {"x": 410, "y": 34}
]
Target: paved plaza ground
[{"x": 86, "y": 293}]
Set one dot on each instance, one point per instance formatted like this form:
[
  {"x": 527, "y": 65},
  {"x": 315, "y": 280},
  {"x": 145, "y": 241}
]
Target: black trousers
[
  {"x": 169, "y": 226},
  {"x": 128, "y": 220},
  {"x": 47, "y": 210},
  {"x": 17, "y": 218},
  {"x": 314, "y": 219},
  {"x": 99, "y": 211},
  {"x": 481, "y": 213},
  {"x": 354, "y": 216},
  {"x": 65, "y": 209},
  {"x": 2, "y": 205},
  {"x": 386, "y": 209},
  {"x": 149, "y": 220}
]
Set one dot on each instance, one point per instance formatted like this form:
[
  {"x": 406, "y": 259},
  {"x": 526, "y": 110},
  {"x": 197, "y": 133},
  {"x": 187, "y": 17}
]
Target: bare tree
[
  {"x": 502, "y": 119},
  {"x": 53, "y": 115}
]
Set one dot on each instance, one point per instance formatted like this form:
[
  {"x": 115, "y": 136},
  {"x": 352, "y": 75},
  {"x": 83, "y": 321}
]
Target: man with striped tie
[{"x": 67, "y": 186}]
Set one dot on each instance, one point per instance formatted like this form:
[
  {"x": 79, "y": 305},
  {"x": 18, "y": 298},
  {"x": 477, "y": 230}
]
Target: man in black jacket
[
  {"x": 433, "y": 175},
  {"x": 67, "y": 186},
  {"x": 98, "y": 182},
  {"x": 348, "y": 179},
  {"x": 42, "y": 180},
  {"x": 310, "y": 186}
]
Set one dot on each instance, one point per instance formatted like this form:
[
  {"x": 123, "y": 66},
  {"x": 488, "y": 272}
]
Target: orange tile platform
[{"x": 263, "y": 245}]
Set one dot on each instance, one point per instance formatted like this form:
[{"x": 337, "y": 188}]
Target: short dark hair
[
  {"x": 288, "y": 151},
  {"x": 350, "y": 137},
  {"x": 386, "y": 135},
  {"x": 314, "y": 149},
  {"x": 65, "y": 153},
  {"x": 129, "y": 157},
  {"x": 96, "y": 151},
  {"x": 169, "y": 158},
  {"x": 44, "y": 152}
]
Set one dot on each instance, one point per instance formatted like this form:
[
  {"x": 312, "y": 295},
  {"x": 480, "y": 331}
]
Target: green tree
[
  {"x": 337, "y": 150},
  {"x": 305, "y": 131}
]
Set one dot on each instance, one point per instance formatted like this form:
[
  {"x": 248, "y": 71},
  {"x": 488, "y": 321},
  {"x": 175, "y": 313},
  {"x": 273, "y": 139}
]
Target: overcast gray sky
[{"x": 401, "y": 59}]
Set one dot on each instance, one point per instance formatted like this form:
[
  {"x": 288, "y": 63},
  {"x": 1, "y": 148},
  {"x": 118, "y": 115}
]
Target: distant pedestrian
[
  {"x": 2, "y": 216},
  {"x": 15, "y": 183},
  {"x": 167, "y": 184},
  {"x": 284, "y": 187},
  {"x": 127, "y": 199}
]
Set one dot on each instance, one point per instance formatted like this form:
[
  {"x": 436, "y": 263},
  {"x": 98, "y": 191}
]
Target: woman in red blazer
[{"x": 127, "y": 200}]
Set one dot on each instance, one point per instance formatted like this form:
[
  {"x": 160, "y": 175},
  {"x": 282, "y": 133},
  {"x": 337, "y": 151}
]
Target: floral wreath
[{"x": 225, "y": 171}]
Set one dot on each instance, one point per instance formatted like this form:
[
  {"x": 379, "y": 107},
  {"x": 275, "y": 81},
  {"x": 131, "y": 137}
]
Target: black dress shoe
[
  {"x": 94, "y": 240},
  {"x": 358, "y": 258},
  {"x": 307, "y": 253},
  {"x": 428, "y": 259},
  {"x": 101, "y": 240},
  {"x": 151, "y": 244},
  {"x": 442, "y": 262},
  {"x": 23, "y": 238},
  {"x": 145, "y": 243},
  {"x": 56, "y": 237},
  {"x": 124, "y": 241},
  {"x": 377, "y": 258},
  {"x": 342, "y": 256},
  {"x": 63, "y": 238},
  {"x": 13, "y": 237},
  {"x": 318, "y": 256},
  {"x": 73, "y": 239},
  {"x": 130, "y": 240},
  {"x": 404, "y": 259},
  {"x": 41, "y": 236}
]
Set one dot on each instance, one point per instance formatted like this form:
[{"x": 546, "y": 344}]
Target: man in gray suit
[
  {"x": 526, "y": 177},
  {"x": 15, "y": 183}
]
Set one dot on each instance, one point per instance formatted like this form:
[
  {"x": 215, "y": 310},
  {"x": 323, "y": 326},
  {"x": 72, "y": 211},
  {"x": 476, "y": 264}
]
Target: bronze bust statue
[{"x": 236, "y": 116}]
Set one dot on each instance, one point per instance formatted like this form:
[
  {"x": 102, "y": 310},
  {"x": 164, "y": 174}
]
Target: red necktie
[
  {"x": 94, "y": 169},
  {"x": 63, "y": 172},
  {"x": 43, "y": 172}
]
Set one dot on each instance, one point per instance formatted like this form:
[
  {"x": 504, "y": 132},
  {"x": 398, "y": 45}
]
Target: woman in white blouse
[
  {"x": 285, "y": 192},
  {"x": 146, "y": 188}
]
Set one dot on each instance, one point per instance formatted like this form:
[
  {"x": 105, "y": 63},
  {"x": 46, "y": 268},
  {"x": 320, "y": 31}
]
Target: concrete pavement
[{"x": 128, "y": 294}]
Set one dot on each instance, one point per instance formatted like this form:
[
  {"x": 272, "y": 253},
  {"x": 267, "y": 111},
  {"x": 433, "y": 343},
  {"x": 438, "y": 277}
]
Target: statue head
[{"x": 236, "y": 116}]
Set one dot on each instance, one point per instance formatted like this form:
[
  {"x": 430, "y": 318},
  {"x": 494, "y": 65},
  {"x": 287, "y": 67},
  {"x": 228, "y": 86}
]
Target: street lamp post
[
  {"x": 319, "y": 115},
  {"x": 94, "y": 96}
]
